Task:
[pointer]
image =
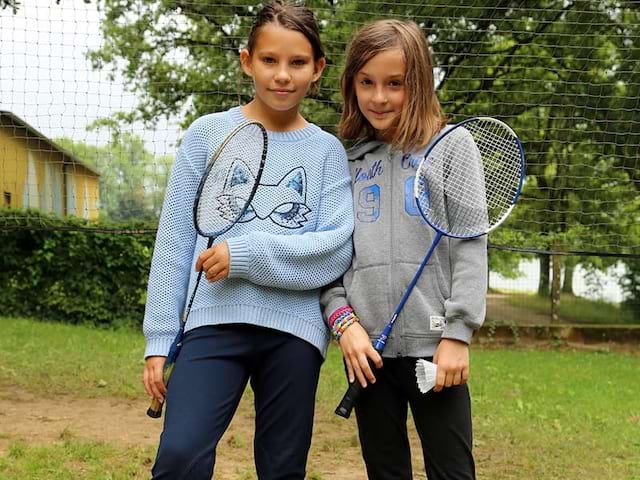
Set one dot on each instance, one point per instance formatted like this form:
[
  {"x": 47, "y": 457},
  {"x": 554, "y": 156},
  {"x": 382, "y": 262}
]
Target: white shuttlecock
[{"x": 425, "y": 375}]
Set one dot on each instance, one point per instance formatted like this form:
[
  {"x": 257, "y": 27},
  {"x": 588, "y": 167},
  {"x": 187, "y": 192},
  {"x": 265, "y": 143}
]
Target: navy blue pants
[
  {"x": 443, "y": 422},
  {"x": 207, "y": 383}
]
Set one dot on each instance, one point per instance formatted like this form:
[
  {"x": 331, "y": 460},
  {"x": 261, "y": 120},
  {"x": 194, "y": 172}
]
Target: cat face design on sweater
[{"x": 284, "y": 203}]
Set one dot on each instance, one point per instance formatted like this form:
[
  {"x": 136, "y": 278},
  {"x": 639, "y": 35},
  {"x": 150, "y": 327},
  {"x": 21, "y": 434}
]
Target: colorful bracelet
[
  {"x": 339, "y": 313},
  {"x": 340, "y": 320}
]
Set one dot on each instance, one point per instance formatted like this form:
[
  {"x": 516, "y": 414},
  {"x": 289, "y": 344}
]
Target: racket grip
[
  {"x": 155, "y": 409},
  {"x": 349, "y": 400}
]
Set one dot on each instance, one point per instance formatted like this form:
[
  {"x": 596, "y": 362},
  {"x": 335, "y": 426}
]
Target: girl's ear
[
  {"x": 318, "y": 68},
  {"x": 245, "y": 62}
]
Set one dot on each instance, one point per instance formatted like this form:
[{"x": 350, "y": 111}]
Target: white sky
[{"x": 46, "y": 79}]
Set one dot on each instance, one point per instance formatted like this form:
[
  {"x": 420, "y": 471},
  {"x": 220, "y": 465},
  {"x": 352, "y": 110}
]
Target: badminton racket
[{"x": 225, "y": 192}]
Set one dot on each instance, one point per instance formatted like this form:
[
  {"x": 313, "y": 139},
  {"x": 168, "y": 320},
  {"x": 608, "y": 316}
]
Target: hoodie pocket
[
  {"x": 424, "y": 313},
  {"x": 369, "y": 297}
]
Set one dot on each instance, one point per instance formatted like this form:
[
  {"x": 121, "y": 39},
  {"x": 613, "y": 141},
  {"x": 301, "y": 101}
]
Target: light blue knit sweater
[{"x": 279, "y": 260}]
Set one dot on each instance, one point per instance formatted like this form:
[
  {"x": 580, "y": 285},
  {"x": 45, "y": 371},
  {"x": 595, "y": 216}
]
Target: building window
[{"x": 7, "y": 199}]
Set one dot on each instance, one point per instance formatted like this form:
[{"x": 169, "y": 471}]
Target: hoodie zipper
[{"x": 392, "y": 273}]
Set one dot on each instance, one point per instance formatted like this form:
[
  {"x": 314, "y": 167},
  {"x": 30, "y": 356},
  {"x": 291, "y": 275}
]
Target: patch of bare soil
[{"x": 122, "y": 423}]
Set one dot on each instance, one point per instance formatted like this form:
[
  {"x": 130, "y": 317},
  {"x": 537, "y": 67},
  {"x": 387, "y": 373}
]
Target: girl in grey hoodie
[{"x": 392, "y": 110}]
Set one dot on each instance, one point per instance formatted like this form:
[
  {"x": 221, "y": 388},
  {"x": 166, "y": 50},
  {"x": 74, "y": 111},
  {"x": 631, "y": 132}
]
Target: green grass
[
  {"x": 554, "y": 414},
  {"x": 575, "y": 309},
  {"x": 72, "y": 458},
  {"x": 58, "y": 358},
  {"x": 538, "y": 414}
]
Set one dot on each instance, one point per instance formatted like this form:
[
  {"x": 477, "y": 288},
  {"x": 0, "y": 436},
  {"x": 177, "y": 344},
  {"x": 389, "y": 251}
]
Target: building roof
[{"x": 9, "y": 119}]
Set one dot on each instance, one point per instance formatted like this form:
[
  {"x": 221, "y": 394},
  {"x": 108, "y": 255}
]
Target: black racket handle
[
  {"x": 349, "y": 400},
  {"x": 155, "y": 409}
]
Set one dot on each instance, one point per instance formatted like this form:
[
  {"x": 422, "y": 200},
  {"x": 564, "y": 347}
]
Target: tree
[
  {"x": 132, "y": 180},
  {"x": 12, "y": 4},
  {"x": 563, "y": 73}
]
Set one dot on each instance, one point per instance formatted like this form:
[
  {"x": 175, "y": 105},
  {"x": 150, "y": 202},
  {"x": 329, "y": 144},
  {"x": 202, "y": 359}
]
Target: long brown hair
[{"x": 422, "y": 115}]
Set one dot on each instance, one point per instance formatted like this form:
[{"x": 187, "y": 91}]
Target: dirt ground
[
  {"x": 36, "y": 420},
  {"x": 122, "y": 422}
]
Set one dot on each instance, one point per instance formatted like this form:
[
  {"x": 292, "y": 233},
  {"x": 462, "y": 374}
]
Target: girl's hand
[
  {"x": 452, "y": 359},
  {"x": 215, "y": 262},
  {"x": 153, "y": 377},
  {"x": 357, "y": 351}
]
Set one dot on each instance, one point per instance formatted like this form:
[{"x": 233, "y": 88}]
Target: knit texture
[{"x": 294, "y": 238}]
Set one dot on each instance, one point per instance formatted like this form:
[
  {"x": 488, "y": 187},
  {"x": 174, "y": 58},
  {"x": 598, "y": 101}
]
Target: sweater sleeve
[
  {"x": 465, "y": 309},
  {"x": 172, "y": 256},
  {"x": 309, "y": 260}
]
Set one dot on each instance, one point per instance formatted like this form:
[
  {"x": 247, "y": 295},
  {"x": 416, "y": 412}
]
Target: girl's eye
[
  {"x": 268, "y": 60},
  {"x": 395, "y": 83},
  {"x": 365, "y": 81},
  {"x": 298, "y": 63}
]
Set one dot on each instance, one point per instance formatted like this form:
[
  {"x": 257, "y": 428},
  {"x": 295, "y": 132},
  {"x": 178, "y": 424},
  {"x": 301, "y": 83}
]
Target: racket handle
[
  {"x": 155, "y": 409},
  {"x": 349, "y": 400}
]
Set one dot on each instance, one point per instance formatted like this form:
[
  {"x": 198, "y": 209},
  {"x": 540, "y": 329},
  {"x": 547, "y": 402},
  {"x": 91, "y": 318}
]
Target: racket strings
[
  {"x": 469, "y": 180},
  {"x": 230, "y": 180}
]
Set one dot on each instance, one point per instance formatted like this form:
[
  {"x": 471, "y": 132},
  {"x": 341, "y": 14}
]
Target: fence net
[{"x": 95, "y": 95}]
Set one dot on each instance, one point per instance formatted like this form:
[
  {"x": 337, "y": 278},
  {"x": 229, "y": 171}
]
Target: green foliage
[
  {"x": 73, "y": 276},
  {"x": 631, "y": 286},
  {"x": 562, "y": 73},
  {"x": 12, "y": 4},
  {"x": 132, "y": 180}
]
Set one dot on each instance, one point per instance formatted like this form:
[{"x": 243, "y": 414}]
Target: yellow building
[{"x": 36, "y": 173}]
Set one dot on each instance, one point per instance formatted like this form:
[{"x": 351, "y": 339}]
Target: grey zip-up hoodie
[{"x": 390, "y": 241}]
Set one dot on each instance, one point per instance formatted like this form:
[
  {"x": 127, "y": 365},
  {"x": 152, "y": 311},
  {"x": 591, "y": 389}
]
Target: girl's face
[
  {"x": 282, "y": 67},
  {"x": 380, "y": 89}
]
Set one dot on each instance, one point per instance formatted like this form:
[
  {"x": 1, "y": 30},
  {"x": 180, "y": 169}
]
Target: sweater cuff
[
  {"x": 458, "y": 330},
  {"x": 239, "y": 257},
  {"x": 158, "y": 347}
]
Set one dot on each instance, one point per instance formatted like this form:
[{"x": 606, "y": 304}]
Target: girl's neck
[{"x": 274, "y": 120}]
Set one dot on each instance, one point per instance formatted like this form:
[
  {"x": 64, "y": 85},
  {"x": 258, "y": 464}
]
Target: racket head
[
  {"x": 470, "y": 178},
  {"x": 230, "y": 180}
]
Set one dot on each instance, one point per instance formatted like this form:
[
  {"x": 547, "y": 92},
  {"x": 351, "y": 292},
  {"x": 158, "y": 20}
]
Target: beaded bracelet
[
  {"x": 339, "y": 313},
  {"x": 340, "y": 320}
]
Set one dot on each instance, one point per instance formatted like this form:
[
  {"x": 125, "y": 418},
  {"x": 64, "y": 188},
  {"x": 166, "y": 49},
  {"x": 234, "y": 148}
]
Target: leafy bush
[{"x": 51, "y": 268}]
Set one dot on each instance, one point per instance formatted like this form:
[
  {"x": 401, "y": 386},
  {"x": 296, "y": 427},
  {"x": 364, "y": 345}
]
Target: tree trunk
[
  {"x": 543, "y": 282},
  {"x": 555, "y": 288},
  {"x": 570, "y": 264}
]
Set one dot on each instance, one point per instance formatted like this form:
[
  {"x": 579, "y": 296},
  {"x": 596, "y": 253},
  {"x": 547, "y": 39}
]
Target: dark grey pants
[
  {"x": 208, "y": 380},
  {"x": 443, "y": 422}
]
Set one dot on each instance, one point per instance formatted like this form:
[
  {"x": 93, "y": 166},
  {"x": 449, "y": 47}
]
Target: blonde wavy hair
[{"x": 422, "y": 115}]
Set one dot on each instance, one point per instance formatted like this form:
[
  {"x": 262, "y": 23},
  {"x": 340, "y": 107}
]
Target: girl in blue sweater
[{"x": 257, "y": 318}]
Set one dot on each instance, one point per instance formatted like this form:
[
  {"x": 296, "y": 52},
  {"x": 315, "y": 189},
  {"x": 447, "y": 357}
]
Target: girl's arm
[
  {"x": 464, "y": 310},
  {"x": 354, "y": 341},
  {"x": 465, "y": 307},
  {"x": 309, "y": 260},
  {"x": 172, "y": 257}
]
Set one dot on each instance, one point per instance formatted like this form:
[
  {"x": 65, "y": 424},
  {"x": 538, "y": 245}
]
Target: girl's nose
[
  {"x": 379, "y": 96},
  {"x": 282, "y": 75}
]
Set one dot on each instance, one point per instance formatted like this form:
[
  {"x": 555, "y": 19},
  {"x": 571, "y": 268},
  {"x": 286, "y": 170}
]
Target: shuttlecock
[{"x": 425, "y": 375}]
